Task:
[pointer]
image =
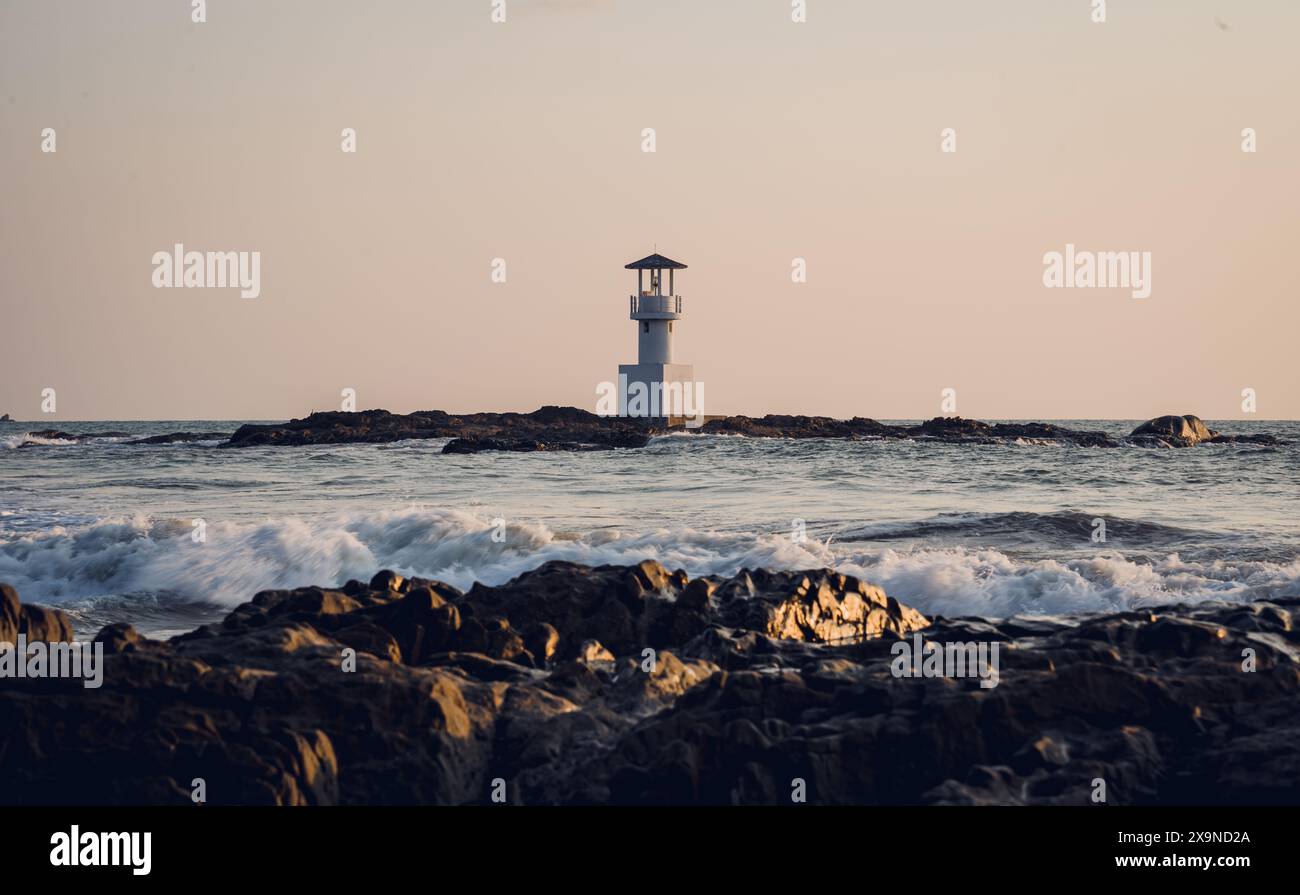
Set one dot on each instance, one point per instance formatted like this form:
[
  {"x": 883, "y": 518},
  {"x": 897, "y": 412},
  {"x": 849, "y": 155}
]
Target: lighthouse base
[{"x": 660, "y": 391}]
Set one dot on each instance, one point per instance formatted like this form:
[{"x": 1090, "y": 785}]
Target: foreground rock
[
  {"x": 639, "y": 685},
  {"x": 32, "y": 622}
]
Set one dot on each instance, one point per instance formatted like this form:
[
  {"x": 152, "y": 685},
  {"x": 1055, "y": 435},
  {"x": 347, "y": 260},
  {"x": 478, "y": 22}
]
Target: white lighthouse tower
[{"x": 655, "y": 311}]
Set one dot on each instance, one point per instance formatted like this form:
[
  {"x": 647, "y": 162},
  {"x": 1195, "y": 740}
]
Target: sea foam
[{"x": 137, "y": 555}]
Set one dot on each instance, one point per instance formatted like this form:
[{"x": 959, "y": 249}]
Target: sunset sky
[{"x": 774, "y": 141}]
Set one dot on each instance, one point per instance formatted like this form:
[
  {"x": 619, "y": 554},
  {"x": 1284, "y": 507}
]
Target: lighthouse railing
[{"x": 657, "y": 304}]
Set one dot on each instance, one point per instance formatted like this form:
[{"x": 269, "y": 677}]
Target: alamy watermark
[
  {"x": 1075, "y": 269},
  {"x": 46, "y": 660},
  {"x": 77, "y": 849},
  {"x": 930, "y": 658},
  {"x": 208, "y": 270},
  {"x": 654, "y": 400}
]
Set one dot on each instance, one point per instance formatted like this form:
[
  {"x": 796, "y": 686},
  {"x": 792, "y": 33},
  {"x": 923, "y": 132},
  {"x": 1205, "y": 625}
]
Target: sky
[{"x": 774, "y": 140}]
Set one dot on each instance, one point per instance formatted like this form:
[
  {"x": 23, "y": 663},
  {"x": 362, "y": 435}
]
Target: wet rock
[
  {"x": 590, "y": 652},
  {"x": 119, "y": 637},
  {"x": 542, "y": 641},
  {"x": 182, "y": 438},
  {"x": 571, "y": 429},
  {"x": 1182, "y": 431},
  {"x": 549, "y": 428},
  {"x": 44, "y": 625},
  {"x": 10, "y": 611},
  {"x": 724, "y": 691},
  {"x": 387, "y": 580}
]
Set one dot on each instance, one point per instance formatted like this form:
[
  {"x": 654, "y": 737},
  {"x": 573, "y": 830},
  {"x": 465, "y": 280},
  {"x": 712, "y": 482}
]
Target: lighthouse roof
[{"x": 655, "y": 262}]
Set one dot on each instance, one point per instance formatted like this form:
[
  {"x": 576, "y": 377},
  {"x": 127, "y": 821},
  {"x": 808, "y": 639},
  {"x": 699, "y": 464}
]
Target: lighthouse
[{"x": 654, "y": 308}]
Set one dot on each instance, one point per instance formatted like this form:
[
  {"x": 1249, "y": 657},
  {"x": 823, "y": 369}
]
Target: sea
[{"x": 168, "y": 537}]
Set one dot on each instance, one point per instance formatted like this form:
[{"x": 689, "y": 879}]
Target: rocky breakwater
[{"x": 634, "y": 684}]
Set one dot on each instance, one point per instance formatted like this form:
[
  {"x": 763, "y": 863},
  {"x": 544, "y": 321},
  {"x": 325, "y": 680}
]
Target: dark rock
[
  {"x": 181, "y": 438},
  {"x": 590, "y": 652},
  {"x": 723, "y": 692},
  {"x": 44, "y": 625},
  {"x": 784, "y": 426},
  {"x": 10, "y": 612},
  {"x": 571, "y": 429},
  {"x": 549, "y": 428},
  {"x": 542, "y": 641},
  {"x": 386, "y": 580},
  {"x": 1172, "y": 431},
  {"x": 36, "y": 623},
  {"x": 119, "y": 637}
]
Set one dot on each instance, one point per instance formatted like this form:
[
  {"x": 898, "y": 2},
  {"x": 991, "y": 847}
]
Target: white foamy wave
[
  {"x": 16, "y": 441},
  {"x": 138, "y": 555},
  {"x": 958, "y": 581},
  {"x": 677, "y": 435}
]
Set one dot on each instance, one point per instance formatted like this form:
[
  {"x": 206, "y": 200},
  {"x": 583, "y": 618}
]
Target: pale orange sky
[{"x": 774, "y": 141}]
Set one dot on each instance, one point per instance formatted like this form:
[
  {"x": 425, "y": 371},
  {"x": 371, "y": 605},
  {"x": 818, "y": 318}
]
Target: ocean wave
[
  {"x": 143, "y": 556},
  {"x": 678, "y": 435},
  {"x": 1065, "y": 528},
  {"x": 11, "y": 442}
]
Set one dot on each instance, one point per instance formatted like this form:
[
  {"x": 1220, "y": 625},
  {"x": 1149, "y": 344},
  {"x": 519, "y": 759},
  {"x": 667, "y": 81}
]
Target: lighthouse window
[
  {"x": 670, "y": 326},
  {"x": 645, "y": 326}
]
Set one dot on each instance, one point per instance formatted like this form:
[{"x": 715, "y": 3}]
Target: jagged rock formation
[{"x": 634, "y": 684}]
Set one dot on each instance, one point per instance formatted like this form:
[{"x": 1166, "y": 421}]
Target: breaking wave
[
  {"x": 137, "y": 556},
  {"x": 11, "y": 442}
]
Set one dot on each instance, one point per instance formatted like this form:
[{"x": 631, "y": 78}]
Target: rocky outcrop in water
[
  {"x": 168, "y": 438},
  {"x": 958, "y": 430},
  {"x": 549, "y": 428},
  {"x": 181, "y": 438},
  {"x": 1188, "y": 431},
  {"x": 1182, "y": 431},
  {"x": 635, "y": 684},
  {"x": 571, "y": 429}
]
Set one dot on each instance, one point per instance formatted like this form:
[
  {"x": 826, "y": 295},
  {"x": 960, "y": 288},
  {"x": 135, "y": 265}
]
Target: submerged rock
[{"x": 636, "y": 684}]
